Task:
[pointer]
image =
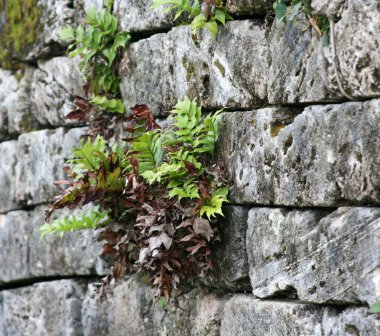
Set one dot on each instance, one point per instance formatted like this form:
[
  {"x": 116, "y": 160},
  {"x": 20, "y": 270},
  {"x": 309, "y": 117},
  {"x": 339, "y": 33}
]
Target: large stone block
[
  {"x": 230, "y": 254},
  {"x": 245, "y": 316},
  {"x": 16, "y": 115},
  {"x": 302, "y": 69},
  {"x": 54, "y": 85},
  {"x": 313, "y": 256},
  {"x": 196, "y": 313},
  {"x": 44, "y": 309},
  {"x": 8, "y": 161},
  {"x": 41, "y": 157},
  {"x": 324, "y": 156},
  {"x": 28, "y": 256},
  {"x": 221, "y": 72}
]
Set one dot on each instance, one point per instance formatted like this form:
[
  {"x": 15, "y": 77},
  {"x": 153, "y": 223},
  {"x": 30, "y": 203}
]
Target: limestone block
[
  {"x": 44, "y": 309},
  {"x": 136, "y": 16},
  {"x": 245, "y": 316},
  {"x": 302, "y": 69},
  {"x": 221, "y": 72},
  {"x": 54, "y": 16},
  {"x": 8, "y": 161},
  {"x": 16, "y": 115},
  {"x": 325, "y": 156},
  {"x": 313, "y": 256},
  {"x": 54, "y": 85},
  {"x": 41, "y": 157},
  {"x": 230, "y": 255},
  {"x": 28, "y": 256},
  {"x": 196, "y": 313}
]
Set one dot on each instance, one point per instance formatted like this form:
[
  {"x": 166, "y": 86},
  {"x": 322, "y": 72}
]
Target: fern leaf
[
  {"x": 214, "y": 206},
  {"x": 90, "y": 220}
]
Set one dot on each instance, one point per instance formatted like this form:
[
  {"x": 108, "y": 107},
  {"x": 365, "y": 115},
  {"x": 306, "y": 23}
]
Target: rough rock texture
[
  {"x": 53, "y": 88},
  {"x": 313, "y": 256},
  {"x": 325, "y": 156},
  {"x": 36, "y": 173},
  {"x": 54, "y": 16},
  {"x": 139, "y": 17},
  {"x": 230, "y": 261},
  {"x": 199, "y": 67},
  {"x": 197, "y": 313},
  {"x": 15, "y": 108},
  {"x": 45, "y": 309},
  {"x": 8, "y": 161},
  {"x": 28, "y": 256},
  {"x": 288, "y": 65},
  {"x": 245, "y": 316}
]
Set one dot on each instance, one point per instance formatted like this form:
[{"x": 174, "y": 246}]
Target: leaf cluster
[
  {"x": 99, "y": 45},
  {"x": 93, "y": 219},
  {"x": 159, "y": 189},
  {"x": 297, "y": 10},
  {"x": 204, "y": 13}
]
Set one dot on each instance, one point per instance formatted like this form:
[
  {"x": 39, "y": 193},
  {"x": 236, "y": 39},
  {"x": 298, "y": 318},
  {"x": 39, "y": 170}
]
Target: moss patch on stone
[{"x": 19, "y": 26}]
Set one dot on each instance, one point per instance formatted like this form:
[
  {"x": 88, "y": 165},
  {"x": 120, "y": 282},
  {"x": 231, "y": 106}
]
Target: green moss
[
  {"x": 18, "y": 30},
  {"x": 189, "y": 68},
  {"x": 220, "y": 67}
]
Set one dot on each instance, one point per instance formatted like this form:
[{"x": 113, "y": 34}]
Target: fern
[
  {"x": 214, "y": 206},
  {"x": 88, "y": 156},
  {"x": 109, "y": 105},
  {"x": 90, "y": 220}
]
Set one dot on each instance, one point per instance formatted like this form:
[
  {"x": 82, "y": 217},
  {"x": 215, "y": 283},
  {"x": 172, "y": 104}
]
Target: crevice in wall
[{"x": 16, "y": 284}]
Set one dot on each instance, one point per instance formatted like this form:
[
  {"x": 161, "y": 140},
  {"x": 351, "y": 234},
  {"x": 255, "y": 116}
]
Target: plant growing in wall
[
  {"x": 204, "y": 13},
  {"x": 157, "y": 192},
  {"x": 292, "y": 13}
]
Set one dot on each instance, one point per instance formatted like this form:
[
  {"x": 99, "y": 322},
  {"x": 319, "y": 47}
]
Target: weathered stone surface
[
  {"x": 199, "y": 67},
  {"x": 313, "y": 256},
  {"x": 132, "y": 310},
  {"x": 305, "y": 71},
  {"x": 53, "y": 88},
  {"x": 41, "y": 156},
  {"x": 245, "y": 316},
  {"x": 54, "y": 16},
  {"x": 325, "y": 156},
  {"x": 248, "y": 7},
  {"x": 15, "y": 108},
  {"x": 8, "y": 160},
  {"x": 139, "y": 17},
  {"x": 230, "y": 254},
  {"x": 45, "y": 309},
  {"x": 330, "y": 8},
  {"x": 28, "y": 256}
]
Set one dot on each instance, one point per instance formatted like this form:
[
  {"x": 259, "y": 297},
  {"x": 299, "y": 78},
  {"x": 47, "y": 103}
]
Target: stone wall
[{"x": 300, "y": 243}]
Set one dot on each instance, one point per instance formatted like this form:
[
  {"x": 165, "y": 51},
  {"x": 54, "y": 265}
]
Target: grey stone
[
  {"x": 44, "y": 309},
  {"x": 196, "y": 313},
  {"x": 8, "y": 161},
  {"x": 330, "y": 8},
  {"x": 54, "y": 16},
  {"x": 302, "y": 68},
  {"x": 15, "y": 107},
  {"x": 54, "y": 85},
  {"x": 28, "y": 256},
  {"x": 249, "y": 7},
  {"x": 41, "y": 157},
  {"x": 230, "y": 255},
  {"x": 313, "y": 256},
  {"x": 136, "y": 16},
  {"x": 245, "y": 316},
  {"x": 324, "y": 156},
  {"x": 221, "y": 72}
]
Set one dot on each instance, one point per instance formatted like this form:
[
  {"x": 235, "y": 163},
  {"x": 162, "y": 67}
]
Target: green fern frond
[
  {"x": 214, "y": 206},
  {"x": 90, "y": 220}
]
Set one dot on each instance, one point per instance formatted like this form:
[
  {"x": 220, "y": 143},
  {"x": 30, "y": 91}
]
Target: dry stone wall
[{"x": 299, "y": 252}]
